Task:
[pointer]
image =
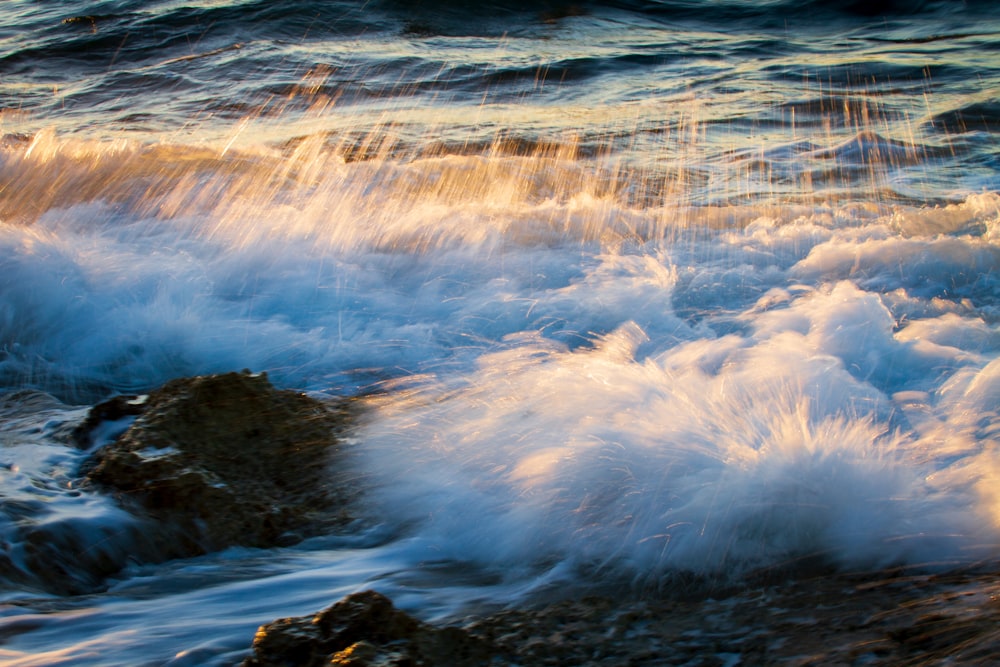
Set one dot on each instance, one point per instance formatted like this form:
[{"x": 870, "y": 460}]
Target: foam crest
[
  {"x": 769, "y": 456},
  {"x": 158, "y": 261}
]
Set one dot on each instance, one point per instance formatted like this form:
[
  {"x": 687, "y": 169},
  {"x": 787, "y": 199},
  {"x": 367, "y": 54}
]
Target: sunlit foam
[
  {"x": 644, "y": 352},
  {"x": 771, "y": 455}
]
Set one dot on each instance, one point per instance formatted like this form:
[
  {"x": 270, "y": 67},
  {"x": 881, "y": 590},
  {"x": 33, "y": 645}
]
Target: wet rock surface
[
  {"x": 878, "y": 619},
  {"x": 201, "y": 464},
  {"x": 224, "y": 460},
  {"x": 364, "y": 629},
  {"x": 103, "y": 417}
]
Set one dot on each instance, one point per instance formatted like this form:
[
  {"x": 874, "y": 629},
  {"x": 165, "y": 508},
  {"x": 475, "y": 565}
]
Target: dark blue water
[
  {"x": 645, "y": 288},
  {"x": 751, "y": 76}
]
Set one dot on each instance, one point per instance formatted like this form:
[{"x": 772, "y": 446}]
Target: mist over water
[{"x": 639, "y": 293}]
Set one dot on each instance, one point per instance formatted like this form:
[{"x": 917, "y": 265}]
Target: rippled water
[{"x": 646, "y": 289}]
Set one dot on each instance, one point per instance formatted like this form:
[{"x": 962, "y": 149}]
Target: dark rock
[
  {"x": 888, "y": 617},
  {"x": 226, "y": 460},
  {"x": 115, "y": 409},
  {"x": 364, "y": 630}
]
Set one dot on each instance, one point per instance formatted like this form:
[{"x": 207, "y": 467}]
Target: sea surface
[{"x": 646, "y": 291}]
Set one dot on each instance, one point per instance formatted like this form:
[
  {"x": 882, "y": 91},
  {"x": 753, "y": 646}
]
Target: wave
[
  {"x": 137, "y": 34},
  {"x": 974, "y": 117},
  {"x": 149, "y": 261},
  {"x": 692, "y": 462}
]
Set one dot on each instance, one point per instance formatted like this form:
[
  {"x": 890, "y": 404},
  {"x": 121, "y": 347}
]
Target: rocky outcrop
[
  {"x": 364, "y": 630},
  {"x": 225, "y": 460},
  {"x": 893, "y": 617}
]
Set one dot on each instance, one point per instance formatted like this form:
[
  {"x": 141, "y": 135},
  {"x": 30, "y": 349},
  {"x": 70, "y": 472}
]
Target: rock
[
  {"x": 115, "y": 409},
  {"x": 887, "y": 617},
  {"x": 225, "y": 460},
  {"x": 364, "y": 630}
]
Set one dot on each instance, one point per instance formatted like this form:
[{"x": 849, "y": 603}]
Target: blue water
[{"x": 643, "y": 289}]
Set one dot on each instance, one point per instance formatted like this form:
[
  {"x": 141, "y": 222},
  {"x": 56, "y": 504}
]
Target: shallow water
[{"x": 641, "y": 290}]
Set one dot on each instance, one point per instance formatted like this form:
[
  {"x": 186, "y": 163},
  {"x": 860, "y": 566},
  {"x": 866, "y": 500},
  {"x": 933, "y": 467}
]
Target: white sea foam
[
  {"x": 578, "y": 388},
  {"x": 685, "y": 462}
]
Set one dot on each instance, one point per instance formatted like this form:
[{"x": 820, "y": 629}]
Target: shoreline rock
[
  {"x": 364, "y": 629},
  {"x": 225, "y": 460},
  {"x": 199, "y": 465},
  {"x": 879, "y": 618}
]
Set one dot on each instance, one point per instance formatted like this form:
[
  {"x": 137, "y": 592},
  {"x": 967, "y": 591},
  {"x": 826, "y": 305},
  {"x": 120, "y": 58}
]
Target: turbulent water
[{"x": 645, "y": 290}]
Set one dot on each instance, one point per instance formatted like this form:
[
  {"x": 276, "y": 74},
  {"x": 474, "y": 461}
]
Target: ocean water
[{"x": 643, "y": 290}]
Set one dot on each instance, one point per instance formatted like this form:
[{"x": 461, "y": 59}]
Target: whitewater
[{"x": 634, "y": 294}]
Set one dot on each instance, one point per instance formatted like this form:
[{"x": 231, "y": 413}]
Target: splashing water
[{"x": 632, "y": 301}]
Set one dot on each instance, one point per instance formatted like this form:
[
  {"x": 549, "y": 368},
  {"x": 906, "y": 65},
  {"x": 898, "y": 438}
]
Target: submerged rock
[
  {"x": 226, "y": 460},
  {"x": 364, "y": 630}
]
